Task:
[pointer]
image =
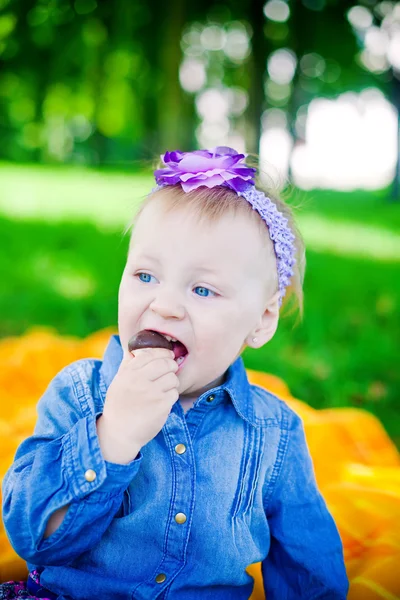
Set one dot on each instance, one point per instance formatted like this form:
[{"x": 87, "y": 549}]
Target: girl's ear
[{"x": 268, "y": 324}]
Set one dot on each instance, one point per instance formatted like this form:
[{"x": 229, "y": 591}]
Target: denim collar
[{"x": 236, "y": 384}]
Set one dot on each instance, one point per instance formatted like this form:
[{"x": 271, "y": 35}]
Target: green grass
[
  {"x": 63, "y": 254},
  {"x": 71, "y": 193}
]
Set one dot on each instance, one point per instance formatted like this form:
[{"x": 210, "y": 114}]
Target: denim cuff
[{"x": 86, "y": 468}]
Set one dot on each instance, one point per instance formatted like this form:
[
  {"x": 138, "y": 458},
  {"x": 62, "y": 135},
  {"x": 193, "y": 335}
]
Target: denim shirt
[{"x": 227, "y": 484}]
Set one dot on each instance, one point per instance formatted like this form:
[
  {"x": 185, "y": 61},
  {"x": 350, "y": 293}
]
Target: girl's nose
[{"x": 167, "y": 305}]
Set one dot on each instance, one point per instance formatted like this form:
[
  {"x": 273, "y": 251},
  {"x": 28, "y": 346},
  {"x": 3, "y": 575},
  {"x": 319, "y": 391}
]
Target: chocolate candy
[{"x": 149, "y": 339}]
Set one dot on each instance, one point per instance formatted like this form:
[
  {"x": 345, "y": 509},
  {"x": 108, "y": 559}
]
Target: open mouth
[{"x": 180, "y": 351}]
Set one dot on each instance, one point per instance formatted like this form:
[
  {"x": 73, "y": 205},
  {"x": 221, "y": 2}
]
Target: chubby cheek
[{"x": 217, "y": 338}]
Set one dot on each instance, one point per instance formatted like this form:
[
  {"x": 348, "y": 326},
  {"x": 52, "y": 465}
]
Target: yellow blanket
[{"x": 356, "y": 465}]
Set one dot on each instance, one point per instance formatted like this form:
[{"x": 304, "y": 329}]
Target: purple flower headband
[{"x": 223, "y": 166}]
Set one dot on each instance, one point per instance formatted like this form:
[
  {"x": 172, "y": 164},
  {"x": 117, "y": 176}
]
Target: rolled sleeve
[
  {"x": 305, "y": 559},
  {"x": 83, "y": 460}
]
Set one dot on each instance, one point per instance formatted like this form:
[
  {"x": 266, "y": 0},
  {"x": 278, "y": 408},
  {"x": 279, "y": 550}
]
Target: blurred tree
[
  {"x": 260, "y": 47},
  {"x": 376, "y": 26},
  {"x": 97, "y": 82}
]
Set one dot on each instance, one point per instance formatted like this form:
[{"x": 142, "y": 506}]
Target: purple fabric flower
[{"x": 220, "y": 166}]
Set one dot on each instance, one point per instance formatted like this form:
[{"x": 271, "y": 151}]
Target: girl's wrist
[{"x": 114, "y": 447}]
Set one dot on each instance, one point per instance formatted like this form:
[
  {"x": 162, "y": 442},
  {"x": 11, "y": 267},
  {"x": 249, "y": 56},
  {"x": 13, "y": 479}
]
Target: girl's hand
[{"x": 138, "y": 403}]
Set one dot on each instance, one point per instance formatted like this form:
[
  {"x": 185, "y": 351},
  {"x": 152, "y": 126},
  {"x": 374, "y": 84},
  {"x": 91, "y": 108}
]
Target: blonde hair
[{"x": 209, "y": 204}]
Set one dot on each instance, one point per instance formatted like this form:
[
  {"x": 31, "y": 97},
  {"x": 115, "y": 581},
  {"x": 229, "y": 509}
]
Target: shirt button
[
  {"x": 180, "y": 518},
  {"x": 90, "y": 475},
  {"x": 161, "y": 577},
  {"x": 180, "y": 448},
  {"x": 210, "y": 398}
]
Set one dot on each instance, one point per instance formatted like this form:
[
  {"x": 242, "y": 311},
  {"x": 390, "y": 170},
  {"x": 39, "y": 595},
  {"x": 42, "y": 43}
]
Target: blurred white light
[
  {"x": 387, "y": 22},
  {"x": 190, "y": 42},
  {"x": 332, "y": 71},
  {"x": 376, "y": 41},
  {"x": 282, "y": 65},
  {"x": 212, "y": 105},
  {"x": 217, "y": 130},
  {"x": 238, "y": 100},
  {"x": 213, "y": 38},
  {"x": 192, "y": 36},
  {"x": 351, "y": 143},
  {"x": 192, "y": 75},
  {"x": 58, "y": 136},
  {"x": 236, "y": 140},
  {"x": 278, "y": 93},
  {"x": 393, "y": 51},
  {"x": 373, "y": 62},
  {"x": 369, "y": 97},
  {"x": 277, "y": 10},
  {"x": 301, "y": 121},
  {"x": 312, "y": 64},
  {"x": 384, "y": 8},
  {"x": 275, "y": 149},
  {"x": 210, "y": 134},
  {"x": 274, "y": 117},
  {"x": 360, "y": 17},
  {"x": 80, "y": 127},
  {"x": 237, "y": 45}
]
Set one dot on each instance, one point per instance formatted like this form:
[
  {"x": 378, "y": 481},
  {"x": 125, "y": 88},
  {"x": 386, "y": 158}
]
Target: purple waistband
[{"x": 36, "y": 589}]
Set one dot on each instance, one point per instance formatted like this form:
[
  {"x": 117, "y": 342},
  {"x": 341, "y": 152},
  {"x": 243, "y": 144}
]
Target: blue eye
[
  {"x": 146, "y": 275},
  {"x": 199, "y": 287}
]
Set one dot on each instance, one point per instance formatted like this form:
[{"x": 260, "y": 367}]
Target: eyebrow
[{"x": 198, "y": 269}]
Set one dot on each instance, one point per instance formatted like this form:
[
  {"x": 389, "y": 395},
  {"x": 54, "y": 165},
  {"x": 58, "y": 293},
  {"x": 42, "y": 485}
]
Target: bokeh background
[{"x": 91, "y": 92}]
